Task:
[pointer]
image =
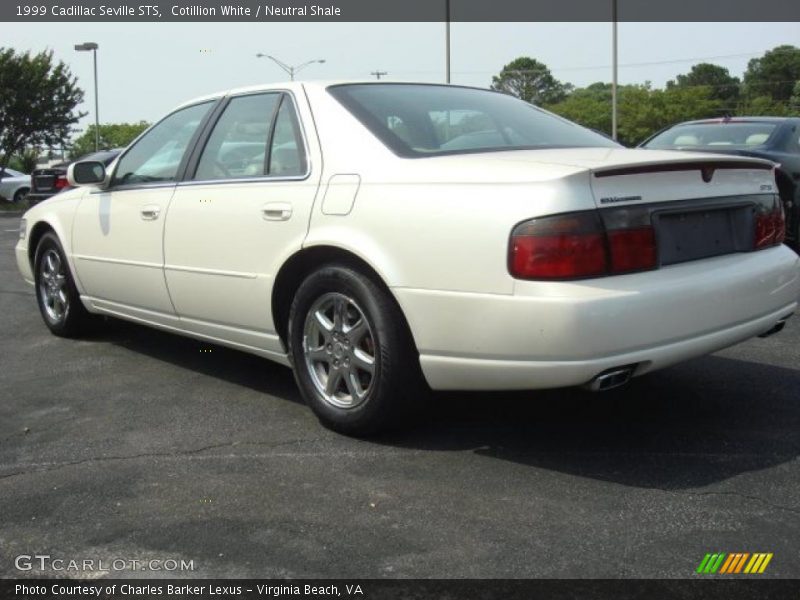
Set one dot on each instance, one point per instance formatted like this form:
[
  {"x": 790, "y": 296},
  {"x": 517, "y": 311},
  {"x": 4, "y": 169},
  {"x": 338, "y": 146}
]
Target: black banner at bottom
[{"x": 401, "y": 589}]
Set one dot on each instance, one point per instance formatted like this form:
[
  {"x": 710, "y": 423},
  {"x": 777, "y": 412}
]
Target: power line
[{"x": 637, "y": 64}]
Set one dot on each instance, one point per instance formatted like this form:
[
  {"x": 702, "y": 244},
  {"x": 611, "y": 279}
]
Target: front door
[{"x": 118, "y": 231}]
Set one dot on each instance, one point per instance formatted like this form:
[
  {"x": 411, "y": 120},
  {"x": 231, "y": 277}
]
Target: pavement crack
[{"x": 44, "y": 467}]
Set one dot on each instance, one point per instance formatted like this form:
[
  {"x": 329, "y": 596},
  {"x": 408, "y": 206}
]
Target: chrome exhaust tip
[
  {"x": 611, "y": 378},
  {"x": 777, "y": 328}
]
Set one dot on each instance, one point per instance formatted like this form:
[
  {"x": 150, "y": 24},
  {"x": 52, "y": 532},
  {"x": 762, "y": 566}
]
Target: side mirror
[{"x": 86, "y": 172}]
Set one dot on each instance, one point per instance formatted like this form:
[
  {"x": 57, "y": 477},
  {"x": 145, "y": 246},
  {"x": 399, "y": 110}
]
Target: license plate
[{"x": 701, "y": 234}]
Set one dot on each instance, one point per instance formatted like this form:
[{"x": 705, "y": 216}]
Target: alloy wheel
[{"x": 340, "y": 350}]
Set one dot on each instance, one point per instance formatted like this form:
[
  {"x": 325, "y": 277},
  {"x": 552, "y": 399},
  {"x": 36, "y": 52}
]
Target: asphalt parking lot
[{"x": 137, "y": 444}]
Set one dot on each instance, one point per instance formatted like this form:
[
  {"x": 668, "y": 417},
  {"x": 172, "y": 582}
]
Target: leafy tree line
[
  {"x": 770, "y": 86},
  {"x": 38, "y": 100},
  {"x": 38, "y": 109},
  {"x": 112, "y": 135}
]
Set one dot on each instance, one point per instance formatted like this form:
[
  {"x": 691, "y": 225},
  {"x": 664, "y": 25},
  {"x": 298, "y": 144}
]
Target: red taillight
[
  {"x": 559, "y": 247},
  {"x": 632, "y": 249},
  {"x": 580, "y": 245},
  {"x": 770, "y": 224},
  {"x": 61, "y": 182}
]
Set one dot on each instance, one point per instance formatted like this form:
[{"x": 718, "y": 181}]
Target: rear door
[{"x": 243, "y": 209}]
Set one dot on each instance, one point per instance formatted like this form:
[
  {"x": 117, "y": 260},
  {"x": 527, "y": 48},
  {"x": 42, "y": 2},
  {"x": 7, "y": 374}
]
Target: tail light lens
[
  {"x": 770, "y": 223},
  {"x": 558, "y": 247},
  {"x": 579, "y": 245},
  {"x": 632, "y": 249},
  {"x": 61, "y": 182}
]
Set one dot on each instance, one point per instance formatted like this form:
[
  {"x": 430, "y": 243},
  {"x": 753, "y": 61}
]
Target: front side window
[
  {"x": 157, "y": 155},
  {"x": 417, "y": 120}
]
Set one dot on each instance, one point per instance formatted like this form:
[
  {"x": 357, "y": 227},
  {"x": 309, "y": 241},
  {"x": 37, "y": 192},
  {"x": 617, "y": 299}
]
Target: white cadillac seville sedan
[{"x": 380, "y": 236}]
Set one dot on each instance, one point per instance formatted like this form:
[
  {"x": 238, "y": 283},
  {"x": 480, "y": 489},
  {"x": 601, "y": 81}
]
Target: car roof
[{"x": 297, "y": 86}]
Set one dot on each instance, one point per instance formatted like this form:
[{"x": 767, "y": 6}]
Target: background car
[
  {"x": 14, "y": 186},
  {"x": 774, "y": 138},
  {"x": 48, "y": 182}
]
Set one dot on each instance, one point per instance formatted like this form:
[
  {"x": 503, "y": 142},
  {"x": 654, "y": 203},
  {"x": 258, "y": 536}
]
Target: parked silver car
[{"x": 14, "y": 186}]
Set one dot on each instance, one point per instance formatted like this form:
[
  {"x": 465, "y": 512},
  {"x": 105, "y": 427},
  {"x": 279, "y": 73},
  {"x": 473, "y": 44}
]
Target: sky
[{"x": 145, "y": 69}]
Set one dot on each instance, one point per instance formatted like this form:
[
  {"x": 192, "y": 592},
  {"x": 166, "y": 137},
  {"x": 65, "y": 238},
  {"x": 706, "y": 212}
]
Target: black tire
[
  {"x": 58, "y": 298},
  {"x": 20, "y": 194},
  {"x": 362, "y": 403}
]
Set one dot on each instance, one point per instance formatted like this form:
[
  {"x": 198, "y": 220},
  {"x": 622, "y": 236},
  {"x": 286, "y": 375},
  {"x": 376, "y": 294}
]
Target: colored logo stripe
[{"x": 734, "y": 563}]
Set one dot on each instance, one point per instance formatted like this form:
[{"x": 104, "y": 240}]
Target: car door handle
[
  {"x": 276, "y": 211},
  {"x": 150, "y": 212}
]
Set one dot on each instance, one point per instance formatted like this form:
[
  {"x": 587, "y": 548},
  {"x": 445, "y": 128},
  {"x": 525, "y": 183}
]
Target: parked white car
[
  {"x": 14, "y": 185},
  {"x": 375, "y": 236}
]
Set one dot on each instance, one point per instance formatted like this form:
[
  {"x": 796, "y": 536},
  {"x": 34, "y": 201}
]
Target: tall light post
[
  {"x": 291, "y": 70},
  {"x": 85, "y": 47},
  {"x": 447, "y": 42},
  {"x": 614, "y": 70}
]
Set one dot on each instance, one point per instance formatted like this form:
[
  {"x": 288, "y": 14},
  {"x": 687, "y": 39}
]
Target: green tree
[
  {"x": 765, "y": 106},
  {"x": 642, "y": 109},
  {"x": 723, "y": 86},
  {"x": 112, "y": 135},
  {"x": 775, "y": 74},
  {"x": 589, "y": 106},
  {"x": 795, "y": 101},
  {"x": 37, "y": 102},
  {"x": 530, "y": 80},
  {"x": 25, "y": 161}
]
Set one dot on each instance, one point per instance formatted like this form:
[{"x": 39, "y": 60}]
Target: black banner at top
[{"x": 399, "y": 10}]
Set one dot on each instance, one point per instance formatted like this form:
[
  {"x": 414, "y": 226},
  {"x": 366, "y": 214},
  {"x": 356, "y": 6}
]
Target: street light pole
[
  {"x": 614, "y": 70},
  {"x": 85, "y": 47},
  {"x": 447, "y": 41},
  {"x": 290, "y": 70}
]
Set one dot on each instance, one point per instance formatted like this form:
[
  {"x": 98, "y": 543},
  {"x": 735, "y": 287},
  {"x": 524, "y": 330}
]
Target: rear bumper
[{"x": 561, "y": 334}]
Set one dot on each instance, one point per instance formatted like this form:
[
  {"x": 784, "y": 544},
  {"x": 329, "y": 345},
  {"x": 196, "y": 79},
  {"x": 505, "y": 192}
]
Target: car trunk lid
[
  {"x": 699, "y": 207},
  {"x": 47, "y": 180}
]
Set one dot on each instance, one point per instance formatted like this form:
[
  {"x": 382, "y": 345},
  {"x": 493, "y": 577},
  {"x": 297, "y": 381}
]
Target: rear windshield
[
  {"x": 714, "y": 134},
  {"x": 416, "y": 120}
]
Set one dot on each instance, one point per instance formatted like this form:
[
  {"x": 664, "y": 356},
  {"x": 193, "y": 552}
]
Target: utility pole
[
  {"x": 614, "y": 70},
  {"x": 447, "y": 41},
  {"x": 378, "y": 74}
]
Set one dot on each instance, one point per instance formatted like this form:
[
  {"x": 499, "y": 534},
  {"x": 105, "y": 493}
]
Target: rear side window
[
  {"x": 156, "y": 156},
  {"x": 237, "y": 147},
  {"x": 256, "y": 136},
  {"x": 287, "y": 157}
]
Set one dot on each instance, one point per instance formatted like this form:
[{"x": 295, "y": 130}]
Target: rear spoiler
[{"x": 706, "y": 167}]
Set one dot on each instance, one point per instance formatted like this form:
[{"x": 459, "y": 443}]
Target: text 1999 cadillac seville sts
[{"x": 377, "y": 237}]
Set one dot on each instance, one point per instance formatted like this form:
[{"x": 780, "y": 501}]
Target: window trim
[
  {"x": 200, "y": 144},
  {"x": 214, "y": 105}
]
